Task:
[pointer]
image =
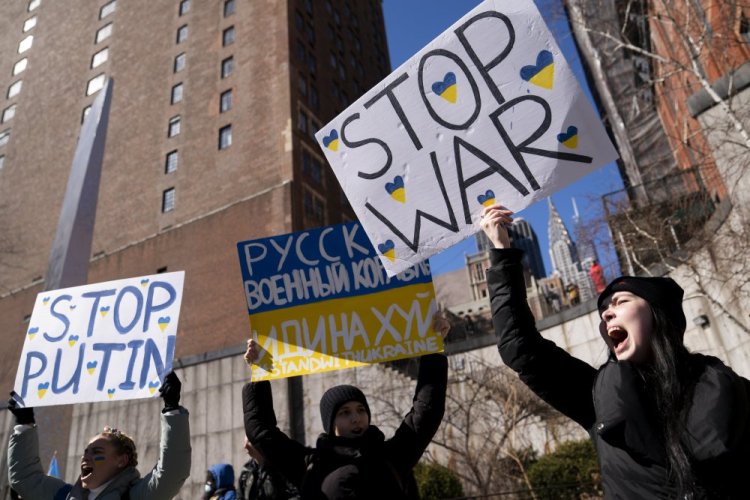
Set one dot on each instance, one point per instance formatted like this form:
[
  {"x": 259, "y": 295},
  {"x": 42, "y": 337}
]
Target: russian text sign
[
  {"x": 321, "y": 300},
  {"x": 102, "y": 342},
  {"x": 489, "y": 111}
]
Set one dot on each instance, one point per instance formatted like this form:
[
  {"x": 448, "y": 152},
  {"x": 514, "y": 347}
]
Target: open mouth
[
  {"x": 618, "y": 337},
  {"x": 86, "y": 472}
]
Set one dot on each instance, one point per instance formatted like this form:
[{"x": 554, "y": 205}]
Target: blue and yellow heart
[
  {"x": 32, "y": 332},
  {"x": 72, "y": 306},
  {"x": 164, "y": 322},
  {"x": 110, "y": 393},
  {"x": 152, "y": 386},
  {"x": 91, "y": 367},
  {"x": 569, "y": 138},
  {"x": 487, "y": 199},
  {"x": 103, "y": 310},
  {"x": 447, "y": 89},
  {"x": 331, "y": 141},
  {"x": 72, "y": 340},
  {"x": 144, "y": 282},
  {"x": 396, "y": 189},
  {"x": 388, "y": 250},
  {"x": 41, "y": 389},
  {"x": 45, "y": 300},
  {"x": 542, "y": 73}
]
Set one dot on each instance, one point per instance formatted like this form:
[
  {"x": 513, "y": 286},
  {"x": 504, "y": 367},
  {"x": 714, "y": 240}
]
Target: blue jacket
[{"x": 224, "y": 479}]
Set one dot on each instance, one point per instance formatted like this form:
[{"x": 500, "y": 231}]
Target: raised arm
[
  {"x": 422, "y": 421},
  {"x": 552, "y": 373}
]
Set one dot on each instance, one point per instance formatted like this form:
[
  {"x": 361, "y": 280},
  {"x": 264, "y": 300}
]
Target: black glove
[
  {"x": 23, "y": 415},
  {"x": 170, "y": 392}
]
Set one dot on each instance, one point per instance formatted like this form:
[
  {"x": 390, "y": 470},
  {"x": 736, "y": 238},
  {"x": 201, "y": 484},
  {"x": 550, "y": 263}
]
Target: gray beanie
[{"x": 334, "y": 398}]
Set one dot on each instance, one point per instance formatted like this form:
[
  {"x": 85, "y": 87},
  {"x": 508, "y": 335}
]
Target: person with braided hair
[{"x": 108, "y": 464}]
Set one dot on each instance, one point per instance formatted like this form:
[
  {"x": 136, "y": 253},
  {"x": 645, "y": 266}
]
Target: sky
[{"x": 412, "y": 24}]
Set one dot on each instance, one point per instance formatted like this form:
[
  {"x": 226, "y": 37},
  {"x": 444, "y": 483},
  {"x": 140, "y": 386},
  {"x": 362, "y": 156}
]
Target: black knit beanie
[
  {"x": 663, "y": 293},
  {"x": 334, "y": 398}
]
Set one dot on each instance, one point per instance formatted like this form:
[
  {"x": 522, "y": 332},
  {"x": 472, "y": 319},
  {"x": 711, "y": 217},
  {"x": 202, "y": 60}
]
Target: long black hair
[{"x": 671, "y": 377}]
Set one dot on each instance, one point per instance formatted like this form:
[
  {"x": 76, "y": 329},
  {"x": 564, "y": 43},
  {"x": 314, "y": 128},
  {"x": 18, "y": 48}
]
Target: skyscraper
[
  {"x": 584, "y": 243},
  {"x": 564, "y": 255},
  {"x": 522, "y": 236},
  {"x": 210, "y": 140}
]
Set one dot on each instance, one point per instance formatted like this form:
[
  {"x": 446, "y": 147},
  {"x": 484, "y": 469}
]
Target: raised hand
[
  {"x": 23, "y": 415},
  {"x": 495, "y": 221},
  {"x": 170, "y": 392}
]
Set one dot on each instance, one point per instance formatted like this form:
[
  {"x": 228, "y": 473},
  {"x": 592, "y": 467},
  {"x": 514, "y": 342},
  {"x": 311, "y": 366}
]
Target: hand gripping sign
[
  {"x": 489, "y": 111},
  {"x": 321, "y": 300},
  {"x": 102, "y": 342}
]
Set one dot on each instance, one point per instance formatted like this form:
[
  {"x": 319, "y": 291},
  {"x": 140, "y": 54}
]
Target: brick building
[{"x": 210, "y": 140}]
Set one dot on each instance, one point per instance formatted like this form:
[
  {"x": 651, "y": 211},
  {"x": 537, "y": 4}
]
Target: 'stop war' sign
[
  {"x": 100, "y": 342},
  {"x": 488, "y": 112}
]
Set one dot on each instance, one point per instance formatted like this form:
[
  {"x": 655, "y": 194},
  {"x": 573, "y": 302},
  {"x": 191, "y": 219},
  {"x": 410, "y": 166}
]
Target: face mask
[{"x": 208, "y": 488}]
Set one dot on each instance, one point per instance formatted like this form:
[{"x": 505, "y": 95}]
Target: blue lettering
[
  {"x": 151, "y": 353},
  {"x": 95, "y": 307},
  {"x": 107, "y": 349},
  {"x": 27, "y": 375},
  {"x": 74, "y": 379},
  {"x": 150, "y": 307},
  {"x": 64, "y": 319},
  {"x": 134, "y": 346},
  {"x": 139, "y": 298}
]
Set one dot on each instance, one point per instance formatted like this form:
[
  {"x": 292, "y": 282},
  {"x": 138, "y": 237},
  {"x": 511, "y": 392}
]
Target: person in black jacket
[
  {"x": 666, "y": 423},
  {"x": 352, "y": 459}
]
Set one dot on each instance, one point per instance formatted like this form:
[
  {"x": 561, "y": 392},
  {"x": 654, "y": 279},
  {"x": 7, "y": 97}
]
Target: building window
[
  {"x": 104, "y": 32},
  {"x": 184, "y": 7},
  {"x": 312, "y": 167},
  {"x": 314, "y": 208},
  {"x": 9, "y": 113},
  {"x": 312, "y": 63},
  {"x": 14, "y": 89},
  {"x": 176, "y": 94},
  {"x": 167, "y": 200},
  {"x": 310, "y": 31},
  {"x": 309, "y": 6},
  {"x": 33, "y": 4},
  {"x": 299, "y": 21},
  {"x": 85, "y": 113},
  {"x": 336, "y": 17},
  {"x": 182, "y": 33},
  {"x": 302, "y": 122},
  {"x": 342, "y": 70},
  {"x": 227, "y": 37},
  {"x": 25, "y": 44},
  {"x": 179, "y": 62},
  {"x": 100, "y": 58},
  {"x": 227, "y": 66},
  {"x": 225, "y": 137},
  {"x": 29, "y": 24},
  {"x": 302, "y": 85},
  {"x": 314, "y": 127},
  {"x": 314, "y": 99},
  {"x": 170, "y": 164},
  {"x": 20, "y": 66},
  {"x": 107, "y": 9},
  {"x": 300, "y": 50},
  {"x": 96, "y": 84},
  {"x": 225, "y": 102},
  {"x": 332, "y": 59},
  {"x": 2, "y": 161},
  {"x": 744, "y": 27},
  {"x": 174, "y": 126},
  {"x": 229, "y": 7},
  {"x": 4, "y": 137}
]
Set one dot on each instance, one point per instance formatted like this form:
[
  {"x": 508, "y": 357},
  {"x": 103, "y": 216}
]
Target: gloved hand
[
  {"x": 170, "y": 392},
  {"x": 23, "y": 415}
]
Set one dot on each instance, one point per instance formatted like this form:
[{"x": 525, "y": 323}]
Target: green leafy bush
[
  {"x": 569, "y": 472},
  {"x": 436, "y": 482}
]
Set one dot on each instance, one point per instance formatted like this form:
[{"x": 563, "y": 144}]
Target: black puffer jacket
[
  {"x": 610, "y": 403},
  {"x": 368, "y": 467}
]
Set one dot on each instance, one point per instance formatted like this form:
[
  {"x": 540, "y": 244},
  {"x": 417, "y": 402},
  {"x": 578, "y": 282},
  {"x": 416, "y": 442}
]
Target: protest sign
[
  {"x": 488, "y": 112},
  {"x": 102, "y": 342},
  {"x": 320, "y": 300}
]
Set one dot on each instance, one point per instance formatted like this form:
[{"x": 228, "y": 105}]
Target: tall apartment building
[{"x": 210, "y": 140}]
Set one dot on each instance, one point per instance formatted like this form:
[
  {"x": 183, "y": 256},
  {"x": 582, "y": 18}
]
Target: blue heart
[
  {"x": 110, "y": 391},
  {"x": 398, "y": 183},
  {"x": 384, "y": 247},
  {"x": 144, "y": 281},
  {"x": 33, "y": 330},
  {"x": 73, "y": 338},
  {"x": 91, "y": 364},
  {"x": 334, "y": 135},
  {"x": 72, "y": 306},
  {"x": 164, "y": 319},
  {"x": 572, "y": 131},
  {"x": 543, "y": 59},
  {"x": 44, "y": 386},
  {"x": 154, "y": 385},
  {"x": 488, "y": 195},
  {"x": 448, "y": 80},
  {"x": 104, "y": 308}
]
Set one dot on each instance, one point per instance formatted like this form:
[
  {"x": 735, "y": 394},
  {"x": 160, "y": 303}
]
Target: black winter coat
[
  {"x": 610, "y": 403},
  {"x": 368, "y": 467}
]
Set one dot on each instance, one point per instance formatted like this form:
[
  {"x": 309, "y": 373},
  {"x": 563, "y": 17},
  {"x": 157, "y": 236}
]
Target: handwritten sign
[
  {"x": 488, "y": 112},
  {"x": 103, "y": 342},
  {"x": 321, "y": 300}
]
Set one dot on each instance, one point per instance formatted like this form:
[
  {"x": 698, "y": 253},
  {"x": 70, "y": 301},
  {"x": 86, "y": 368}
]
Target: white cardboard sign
[
  {"x": 102, "y": 342},
  {"x": 488, "y": 112}
]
